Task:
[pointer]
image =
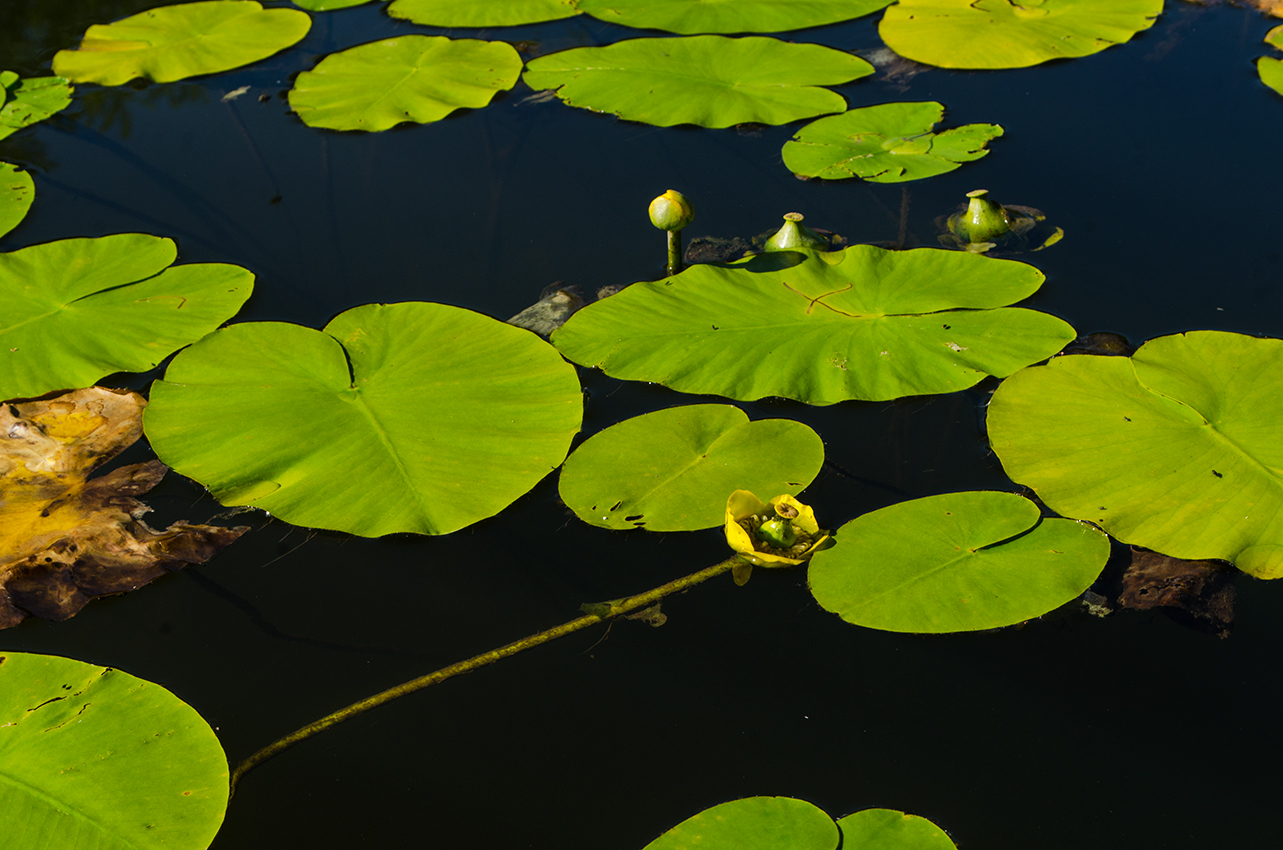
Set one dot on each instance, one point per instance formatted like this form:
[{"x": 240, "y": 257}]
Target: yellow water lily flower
[{"x": 752, "y": 526}]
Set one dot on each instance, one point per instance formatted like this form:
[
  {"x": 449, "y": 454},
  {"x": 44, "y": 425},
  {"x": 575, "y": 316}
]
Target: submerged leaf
[
  {"x": 753, "y": 822},
  {"x": 30, "y": 100},
  {"x": 175, "y": 42},
  {"x": 483, "y": 13},
  {"x": 17, "y": 191},
  {"x": 416, "y": 78},
  {"x": 65, "y": 540},
  {"x": 1010, "y": 34},
  {"x": 728, "y": 16},
  {"x": 397, "y": 417},
  {"x": 956, "y": 562},
  {"x": 1202, "y": 591},
  {"x": 96, "y": 759},
  {"x": 79, "y": 309},
  {"x": 1178, "y": 448},
  {"x": 890, "y": 143},
  {"x": 863, "y": 323},
  {"x": 707, "y": 80}
]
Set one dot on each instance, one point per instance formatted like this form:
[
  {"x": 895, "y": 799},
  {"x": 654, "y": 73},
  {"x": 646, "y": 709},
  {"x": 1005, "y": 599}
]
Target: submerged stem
[{"x": 600, "y": 612}]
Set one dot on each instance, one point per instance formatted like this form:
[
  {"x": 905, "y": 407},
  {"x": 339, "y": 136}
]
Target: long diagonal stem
[{"x": 598, "y": 613}]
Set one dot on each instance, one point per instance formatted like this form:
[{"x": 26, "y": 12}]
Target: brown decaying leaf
[
  {"x": 1201, "y": 589},
  {"x": 65, "y": 539}
]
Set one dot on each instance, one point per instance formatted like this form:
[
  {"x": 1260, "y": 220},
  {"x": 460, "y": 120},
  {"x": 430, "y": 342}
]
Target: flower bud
[{"x": 671, "y": 211}]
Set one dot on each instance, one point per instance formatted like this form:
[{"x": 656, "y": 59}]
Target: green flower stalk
[
  {"x": 794, "y": 235},
  {"x": 672, "y": 212}
]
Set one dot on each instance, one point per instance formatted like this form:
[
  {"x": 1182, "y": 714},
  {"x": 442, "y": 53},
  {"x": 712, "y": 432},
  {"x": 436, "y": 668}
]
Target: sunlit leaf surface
[
  {"x": 327, "y": 5},
  {"x": 863, "y": 323},
  {"x": 408, "y": 78},
  {"x": 1269, "y": 67},
  {"x": 481, "y": 13},
  {"x": 890, "y": 143},
  {"x": 887, "y": 829},
  {"x": 1178, "y": 448},
  {"x": 1008, "y": 34},
  {"x": 707, "y": 80},
  {"x": 400, "y": 417},
  {"x": 728, "y": 16},
  {"x": 174, "y": 42},
  {"x": 96, "y": 759},
  {"x": 78, "y": 309},
  {"x": 30, "y": 100},
  {"x": 956, "y": 562},
  {"x": 780, "y": 823},
  {"x": 17, "y": 191},
  {"x": 672, "y": 470}
]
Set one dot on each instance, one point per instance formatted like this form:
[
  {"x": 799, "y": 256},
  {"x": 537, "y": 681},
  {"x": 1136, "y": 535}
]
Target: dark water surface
[{"x": 1160, "y": 159}]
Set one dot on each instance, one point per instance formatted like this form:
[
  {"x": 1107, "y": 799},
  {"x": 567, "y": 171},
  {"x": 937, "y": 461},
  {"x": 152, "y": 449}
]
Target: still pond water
[{"x": 1160, "y": 159}]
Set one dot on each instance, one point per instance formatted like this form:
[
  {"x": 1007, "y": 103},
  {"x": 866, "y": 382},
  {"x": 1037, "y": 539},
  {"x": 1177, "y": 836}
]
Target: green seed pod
[
  {"x": 794, "y": 235},
  {"x": 671, "y": 211},
  {"x": 777, "y": 532},
  {"x": 983, "y": 221}
]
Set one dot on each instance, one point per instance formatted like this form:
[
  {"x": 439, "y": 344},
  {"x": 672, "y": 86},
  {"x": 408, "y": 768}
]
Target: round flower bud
[{"x": 671, "y": 211}]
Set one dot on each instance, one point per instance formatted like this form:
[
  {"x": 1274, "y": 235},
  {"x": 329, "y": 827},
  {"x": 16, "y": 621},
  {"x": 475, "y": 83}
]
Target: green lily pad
[
  {"x": 707, "y": 80},
  {"x": 1007, "y": 34},
  {"x": 863, "y": 323},
  {"x": 17, "y": 191},
  {"x": 327, "y": 5},
  {"x": 890, "y": 143},
  {"x": 175, "y": 42},
  {"x": 887, "y": 829},
  {"x": 79, "y": 309},
  {"x": 1178, "y": 448},
  {"x": 954, "y": 563},
  {"x": 1271, "y": 69},
  {"x": 673, "y": 469},
  {"x": 30, "y": 100},
  {"x": 780, "y": 823},
  {"x": 728, "y": 16},
  {"x": 490, "y": 13},
  {"x": 408, "y": 78},
  {"x": 443, "y": 418},
  {"x": 96, "y": 759}
]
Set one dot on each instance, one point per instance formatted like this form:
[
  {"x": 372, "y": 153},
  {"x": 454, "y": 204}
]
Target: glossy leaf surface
[
  {"x": 887, "y": 829},
  {"x": 707, "y": 80},
  {"x": 17, "y": 191},
  {"x": 890, "y": 143},
  {"x": 673, "y": 469},
  {"x": 956, "y": 562},
  {"x": 490, "y": 13},
  {"x": 443, "y": 418},
  {"x": 408, "y": 78},
  {"x": 780, "y": 823},
  {"x": 1178, "y": 448},
  {"x": 96, "y": 759},
  {"x": 175, "y": 42},
  {"x": 1269, "y": 67},
  {"x": 863, "y": 323},
  {"x": 728, "y": 16},
  {"x": 79, "y": 309},
  {"x": 30, "y": 100},
  {"x": 1007, "y": 34}
]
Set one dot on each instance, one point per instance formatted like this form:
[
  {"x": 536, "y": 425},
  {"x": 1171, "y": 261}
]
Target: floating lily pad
[
  {"x": 327, "y": 5},
  {"x": 443, "y": 418},
  {"x": 863, "y": 323},
  {"x": 671, "y": 470},
  {"x": 775, "y": 822},
  {"x": 1270, "y": 68},
  {"x": 489, "y": 13},
  {"x": 1007, "y": 34},
  {"x": 887, "y": 829},
  {"x": 174, "y": 42},
  {"x": 890, "y": 143},
  {"x": 95, "y": 758},
  {"x": 707, "y": 80},
  {"x": 79, "y": 309},
  {"x": 408, "y": 78},
  {"x": 17, "y": 191},
  {"x": 30, "y": 100},
  {"x": 1178, "y": 448},
  {"x": 728, "y": 16},
  {"x": 956, "y": 562}
]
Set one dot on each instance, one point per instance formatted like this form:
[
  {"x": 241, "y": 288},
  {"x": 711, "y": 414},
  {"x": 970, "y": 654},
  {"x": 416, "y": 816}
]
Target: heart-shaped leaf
[
  {"x": 490, "y": 13},
  {"x": 728, "y": 16},
  {"x": 30, "y": 100},
  {"x": 775, "y": 822},
  {"x": 956, "y": 562},
  {"x": 397, "y": 417},
  {"x": 887, "y": 829},
  {"x": 17, "y": 191},
  {"x": 1269, "y": 67},
  {"x": 707, "y": 80}
]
